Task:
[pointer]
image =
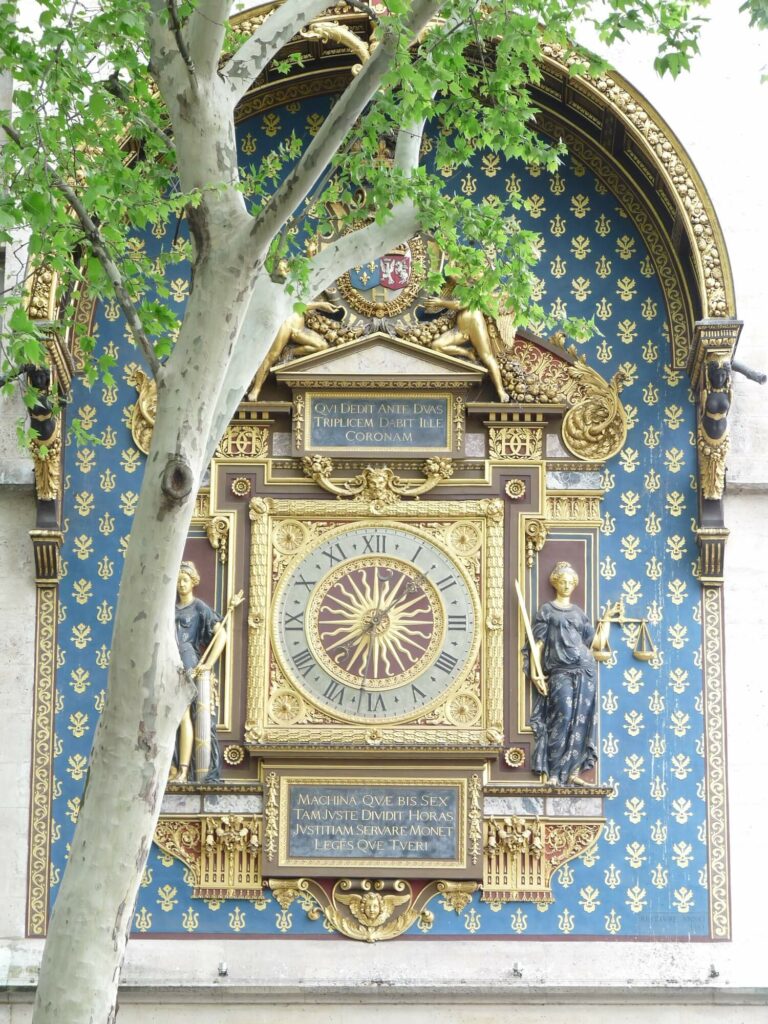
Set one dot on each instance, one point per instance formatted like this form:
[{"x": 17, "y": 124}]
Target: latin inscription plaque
[
  {"x": 373, "y": 822},
  {"x": 385, "y": 423}
]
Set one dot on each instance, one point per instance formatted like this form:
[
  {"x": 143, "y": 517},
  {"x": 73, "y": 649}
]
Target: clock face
[{"x": 375, "y": 622}]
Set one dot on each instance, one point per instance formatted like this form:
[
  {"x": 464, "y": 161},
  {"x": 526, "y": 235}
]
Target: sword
[
  {"x": 234, "y": 601},
  {"x": 537, "y": 676}
]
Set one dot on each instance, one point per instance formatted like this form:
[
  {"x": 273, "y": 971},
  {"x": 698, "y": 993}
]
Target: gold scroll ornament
[
  {"x": 595, "y": 428},
  {"x": 145, "y": 408}
]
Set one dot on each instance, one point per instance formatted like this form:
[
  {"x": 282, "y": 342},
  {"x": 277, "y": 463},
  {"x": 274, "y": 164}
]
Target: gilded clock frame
[{"x": 271, "y": 557}]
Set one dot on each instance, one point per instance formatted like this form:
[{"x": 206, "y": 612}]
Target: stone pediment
[{"x": 381, "y": 358}]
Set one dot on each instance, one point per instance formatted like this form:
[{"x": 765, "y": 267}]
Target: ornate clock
[{"x": 374, "y": 621}]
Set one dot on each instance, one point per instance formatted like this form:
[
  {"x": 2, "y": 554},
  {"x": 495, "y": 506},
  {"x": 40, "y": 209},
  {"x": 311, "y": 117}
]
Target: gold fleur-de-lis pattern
[{"x": 647, "y": 875}]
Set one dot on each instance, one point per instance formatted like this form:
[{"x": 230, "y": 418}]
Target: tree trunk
[{"x": 147, "y": 693}]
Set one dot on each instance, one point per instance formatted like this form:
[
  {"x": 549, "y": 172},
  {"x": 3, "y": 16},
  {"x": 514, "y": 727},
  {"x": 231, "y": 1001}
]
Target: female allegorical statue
[
  {"x": 197, "y": 747},
  {"x": 563, "y": 717}
]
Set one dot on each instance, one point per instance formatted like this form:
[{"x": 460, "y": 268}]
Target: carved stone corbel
[
  {"x": 710, "y": 368},
  {"x": 369, "y": 910},
  {"x": 522, "y": 855},
  {"x": 221, "y": 852}
]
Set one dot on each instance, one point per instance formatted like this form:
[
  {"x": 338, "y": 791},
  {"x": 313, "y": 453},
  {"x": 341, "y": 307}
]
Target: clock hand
[
  {"x": 365, "y": 671},
  {"x": 395, "y": 590}
]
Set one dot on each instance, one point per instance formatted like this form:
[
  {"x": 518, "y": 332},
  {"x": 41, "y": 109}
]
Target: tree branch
[
  {"x": 161, "y": 41},
  {"x": 408, "y": 147},
  {"x": 375, "y": 239},
  {"x": 116, "y": 88},
  {"x": 206, "y": 27},
  {"x": 364, "y": 9},
  {"x": 100, "y": 250},
  {"x": 285, "y": 22},
  {"x": 361, "y": 246},
  {"x": 268, "y": 307},
  {"x": 173, "y": 15},
  {"x": 334, "y": 129}
]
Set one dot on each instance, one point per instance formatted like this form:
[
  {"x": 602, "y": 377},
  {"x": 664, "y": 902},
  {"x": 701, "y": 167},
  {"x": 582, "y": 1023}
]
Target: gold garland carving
[
  {"x": 42, "y": 762},
  {"x": 459, "y": 421},
  {"x": 522, "y": 855},
  {"x": 297, "y": 422},
  {"x": 370, "y": 910},
  {"x": 41, "y": 294},
  {"x": 535, "y": 532},
  {"x": 702, "y": 231},
  {"x": 715, "y": 761},
  {"x": 377, "y": 485},
  {"x": 713, "y": 455},
  {"x": 46, "y": 459},
  {"x": 271, "y": 808},
  {"x": 514, "y": 835},
  {"x": 258, "y": 511},
  {"x": 475, "y": 818},
  {"x": 221, "y": 852}
]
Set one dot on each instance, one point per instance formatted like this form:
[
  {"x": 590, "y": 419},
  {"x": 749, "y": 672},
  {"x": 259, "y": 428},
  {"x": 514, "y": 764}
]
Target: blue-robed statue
[
  {"x": 201, "y": 638},
  {"x": 564, "y": 709}
]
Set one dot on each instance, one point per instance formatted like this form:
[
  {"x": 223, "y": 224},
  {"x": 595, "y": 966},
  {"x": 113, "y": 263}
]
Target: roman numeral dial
[{"x": 376, "y": 622}]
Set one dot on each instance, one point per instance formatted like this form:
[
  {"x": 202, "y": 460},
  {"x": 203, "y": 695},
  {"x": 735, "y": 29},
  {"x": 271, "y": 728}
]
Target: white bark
[
  {"x": 315, "y": 159},
  {"x": 207, "y": 26},
  {"x": 360, "y": 246},
  {"x": 257, "y": 51},
  {"x": 146, "y": 695}
]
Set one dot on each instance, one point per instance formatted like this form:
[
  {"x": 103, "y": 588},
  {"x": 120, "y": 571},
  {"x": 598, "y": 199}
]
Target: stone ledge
[
  {"x": 19, "y": 476},
  {"x": 422, "y": 970},
  {"x": 223, "y": 993}
]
